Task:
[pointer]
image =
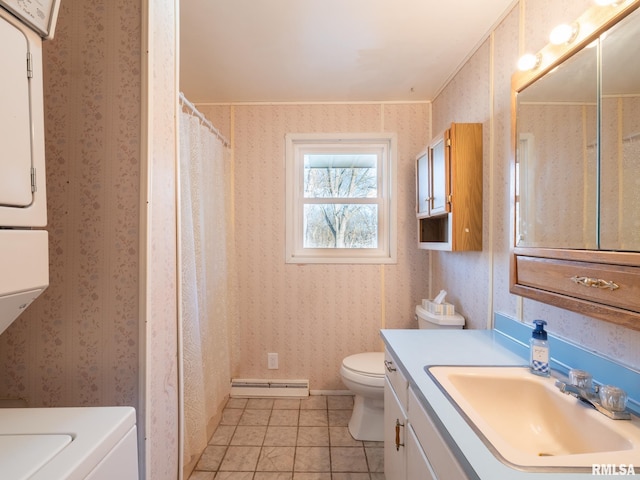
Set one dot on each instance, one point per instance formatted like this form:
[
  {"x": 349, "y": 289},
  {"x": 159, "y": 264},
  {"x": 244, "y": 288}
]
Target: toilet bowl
[{"x": 363, "y": 374}]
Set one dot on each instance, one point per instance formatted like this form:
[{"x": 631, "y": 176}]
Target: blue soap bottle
[{"x": 539, "y": 350}]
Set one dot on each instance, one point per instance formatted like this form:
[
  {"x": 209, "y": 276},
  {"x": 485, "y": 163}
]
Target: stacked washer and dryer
[{"x": 97, "y": 443}]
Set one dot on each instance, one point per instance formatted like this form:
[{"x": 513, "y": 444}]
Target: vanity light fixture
[
  {"x": 564, "y": 33},
  {"x": 529, "y": 61}
]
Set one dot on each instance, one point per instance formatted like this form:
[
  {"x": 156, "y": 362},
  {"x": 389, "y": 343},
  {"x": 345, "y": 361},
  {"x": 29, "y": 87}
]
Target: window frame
[{"x": 297, "y": 144}]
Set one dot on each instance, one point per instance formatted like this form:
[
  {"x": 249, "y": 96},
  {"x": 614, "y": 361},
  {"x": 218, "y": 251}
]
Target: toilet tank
[{"x": 428, "y": 320}]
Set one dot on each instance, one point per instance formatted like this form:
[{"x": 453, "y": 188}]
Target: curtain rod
[{"x": 194, "y": 111}]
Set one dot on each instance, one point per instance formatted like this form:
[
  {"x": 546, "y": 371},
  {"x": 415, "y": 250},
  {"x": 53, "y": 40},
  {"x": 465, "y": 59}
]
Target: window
[{"x": 339, "y": 198}]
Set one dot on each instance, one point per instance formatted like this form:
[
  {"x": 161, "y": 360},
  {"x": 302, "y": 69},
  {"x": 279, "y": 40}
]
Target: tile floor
[{"x": 288, "y": 439}]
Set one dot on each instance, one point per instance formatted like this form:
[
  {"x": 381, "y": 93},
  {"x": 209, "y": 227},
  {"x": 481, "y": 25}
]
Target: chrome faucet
[{"x": 608, "y": 400}]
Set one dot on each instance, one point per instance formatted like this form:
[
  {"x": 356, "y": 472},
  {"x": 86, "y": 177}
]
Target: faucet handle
[
  {"x": 581, "y": 379},
  {"x": 613, "y": 398}
]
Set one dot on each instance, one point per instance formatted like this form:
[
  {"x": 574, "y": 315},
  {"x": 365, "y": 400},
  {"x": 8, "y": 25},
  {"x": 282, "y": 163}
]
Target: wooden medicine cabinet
[
  {"x": 576, "y": 138},
  {"x": 449, "y": 190}
]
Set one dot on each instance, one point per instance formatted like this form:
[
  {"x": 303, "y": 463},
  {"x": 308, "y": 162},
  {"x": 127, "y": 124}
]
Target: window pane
[
  {"x": 340, "y": 226},
  {"x": 340, "y": 176}
]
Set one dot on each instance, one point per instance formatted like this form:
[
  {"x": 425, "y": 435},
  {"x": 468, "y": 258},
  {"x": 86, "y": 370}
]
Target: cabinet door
[
  {"x": 439, "y": 175},
  {"x": 418, "y": 467},
  {"x": 395, "y": 421},
  {"x": 441, "y": 458},
  {"x": 422, "y": 184}
]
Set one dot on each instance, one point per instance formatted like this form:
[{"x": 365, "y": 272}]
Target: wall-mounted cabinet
[{"x": 449, "y": 190}]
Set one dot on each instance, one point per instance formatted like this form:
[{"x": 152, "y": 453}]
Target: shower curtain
[{"x": 204, "y": 270}]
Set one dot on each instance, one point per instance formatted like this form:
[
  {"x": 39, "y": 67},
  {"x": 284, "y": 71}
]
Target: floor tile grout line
[{"x": 331, "y": 443}]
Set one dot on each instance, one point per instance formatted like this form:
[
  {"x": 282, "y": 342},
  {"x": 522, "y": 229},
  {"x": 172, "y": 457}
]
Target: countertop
[{"x": 415, "y": 349}]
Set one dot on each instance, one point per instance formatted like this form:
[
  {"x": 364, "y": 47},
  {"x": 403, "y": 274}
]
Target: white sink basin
[{"x": 527, "y": 422}]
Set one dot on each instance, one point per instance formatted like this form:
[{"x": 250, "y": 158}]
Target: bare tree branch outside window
[{"x": 339, "y": 223}]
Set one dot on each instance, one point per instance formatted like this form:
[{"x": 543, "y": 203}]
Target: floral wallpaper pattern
[{"x": 78, "y": 343}]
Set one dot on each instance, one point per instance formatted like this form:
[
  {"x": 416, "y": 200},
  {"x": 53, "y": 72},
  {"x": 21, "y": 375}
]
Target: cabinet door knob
[
  {"x": 389, "y": 364},
  {"x": 398, "y": 425}
]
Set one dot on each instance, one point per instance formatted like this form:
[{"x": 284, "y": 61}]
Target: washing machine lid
[
  {"x": 369, "y": 363},
  {"x": 93, "y": 433},
  {"x": 29, "y": 453}
]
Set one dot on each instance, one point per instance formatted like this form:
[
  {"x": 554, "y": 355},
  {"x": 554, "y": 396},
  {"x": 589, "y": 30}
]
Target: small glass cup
[
  {"x": 613, "y": 398},
  {"x": 580, "y": 379}
]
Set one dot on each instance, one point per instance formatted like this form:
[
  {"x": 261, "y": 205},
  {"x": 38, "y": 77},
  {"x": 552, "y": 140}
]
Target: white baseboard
[{"x": 330, "y": 392}]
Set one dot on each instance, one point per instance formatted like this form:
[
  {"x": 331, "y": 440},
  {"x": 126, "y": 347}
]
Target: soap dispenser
[{"x": 539, "y": 350}]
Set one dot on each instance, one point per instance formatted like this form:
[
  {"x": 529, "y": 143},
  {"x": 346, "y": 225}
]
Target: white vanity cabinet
[
  {"x": 395, "y": 420},
  {"x": 413, "y": 446}
]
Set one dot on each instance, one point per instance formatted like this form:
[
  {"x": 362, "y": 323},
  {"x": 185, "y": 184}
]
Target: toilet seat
[{"x": 369, "y": 364}]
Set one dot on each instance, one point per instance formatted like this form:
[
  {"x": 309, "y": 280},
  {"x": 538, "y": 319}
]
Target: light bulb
[
  {"x": 528, "y": 61},
  {"x": 564, "y": 33}
]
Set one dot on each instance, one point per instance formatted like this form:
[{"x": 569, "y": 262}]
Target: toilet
[{"x": 363, "y": 375}]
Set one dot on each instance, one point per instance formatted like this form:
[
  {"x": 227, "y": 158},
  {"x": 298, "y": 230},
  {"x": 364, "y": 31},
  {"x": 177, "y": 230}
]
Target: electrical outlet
[{"x": 272, "y": 361}]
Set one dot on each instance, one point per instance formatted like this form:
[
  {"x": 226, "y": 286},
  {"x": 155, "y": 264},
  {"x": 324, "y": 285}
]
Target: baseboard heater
[{"x": 269, "y": 388}]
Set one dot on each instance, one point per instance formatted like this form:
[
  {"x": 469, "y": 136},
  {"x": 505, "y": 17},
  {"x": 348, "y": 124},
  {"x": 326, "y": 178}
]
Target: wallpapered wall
[
  {"x": 314, "y": 315},
  {"x": 80, "y": 343},
  {"x": 480, "y": 92}
]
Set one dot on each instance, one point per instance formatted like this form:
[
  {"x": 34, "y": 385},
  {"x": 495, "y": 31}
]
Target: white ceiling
[{"x": 327, "y": 50}]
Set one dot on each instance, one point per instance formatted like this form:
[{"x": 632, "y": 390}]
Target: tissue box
[{"x": 438, "y": 308}]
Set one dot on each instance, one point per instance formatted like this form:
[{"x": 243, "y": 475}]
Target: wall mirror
[{"x": 576, "y": 124}]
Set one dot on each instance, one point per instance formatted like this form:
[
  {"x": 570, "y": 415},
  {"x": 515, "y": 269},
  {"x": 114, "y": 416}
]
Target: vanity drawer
[
  {"x": 612, "y": 285},
  {"x": 396, "y": 378}
]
